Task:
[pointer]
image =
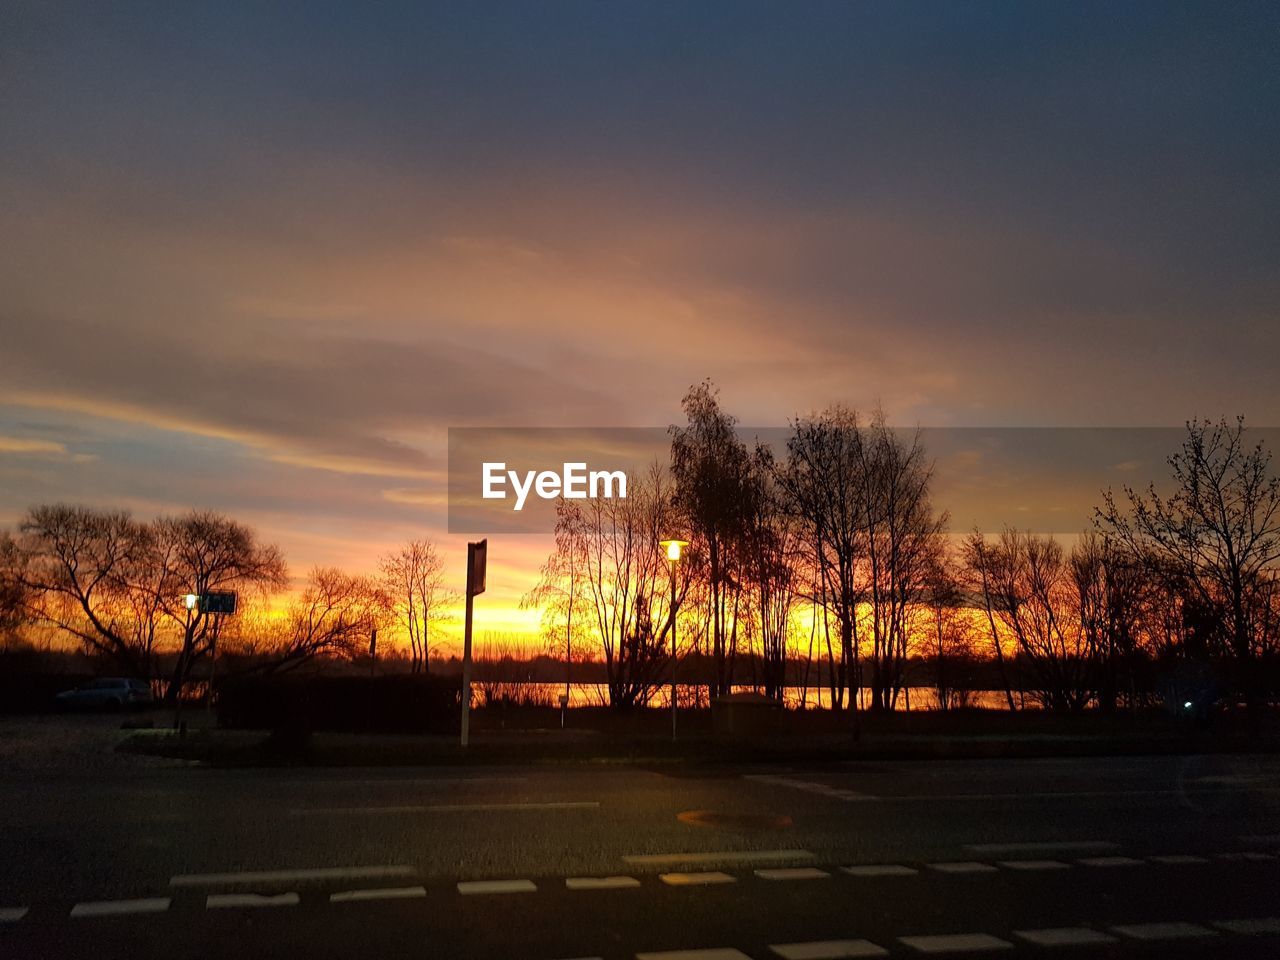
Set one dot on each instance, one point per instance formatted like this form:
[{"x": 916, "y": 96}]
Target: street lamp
[
  {"x": 674, "y": 549},
  {"x": 191, "y": 600}
]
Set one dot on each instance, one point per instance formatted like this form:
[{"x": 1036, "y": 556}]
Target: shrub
[{"x": 391, "y": 704}]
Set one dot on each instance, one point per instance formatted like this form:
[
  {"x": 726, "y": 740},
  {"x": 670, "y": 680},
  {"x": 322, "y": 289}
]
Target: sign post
[
  {"x": 477, "y": 560},
  {"x": 218, "y": 604}
]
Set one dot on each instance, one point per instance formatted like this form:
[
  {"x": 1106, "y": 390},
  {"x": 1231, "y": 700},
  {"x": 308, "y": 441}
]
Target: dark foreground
[{"x": 107, "y": 855}]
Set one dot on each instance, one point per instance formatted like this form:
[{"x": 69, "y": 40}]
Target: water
[{"x": 597, "y": 695}]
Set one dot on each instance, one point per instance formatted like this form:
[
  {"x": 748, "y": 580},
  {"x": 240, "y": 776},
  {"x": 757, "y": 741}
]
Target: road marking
[
  {"x": 792, "y": 873},
  {"x": 600, "y": 883},
  {"x": 1064, "y": 936},
  {"x": 1173, "y": 930},
  {"x": 444, "y": 808},
  {"x": 961, "y": 866},
  {"x": 1250, "y": 926},
  {"x": 810, "y": 786},
  {"x": 1051, "y": 846},
  {"x": 107, "y": 908},
  {"x": 724, "y": 856},
  {"x": 470, "y": 887},
  {"x": 286, "y": 876},
  {"x": 223, "y": 901},
  {"x": 377, "y": 893},
  {"x": 1032, "y": 795},
  {"x": 1110, "y": 861},
  {"x": 828, "y": 950},
  {"x": 695, "y": 879},
  {"x": 716, "y": 953},
  {"x": 1033, "y": 864},
  {"x": 1251, "y": 856},
  {"x": 11, "y": 914},
  {"x": 880, "y": 870},
  {"x": 956, "y": 943},
  {"x": 1178, "y": 858}
]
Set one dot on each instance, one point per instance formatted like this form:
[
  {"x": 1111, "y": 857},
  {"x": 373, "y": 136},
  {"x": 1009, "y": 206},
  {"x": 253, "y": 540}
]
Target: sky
[{"x": 260, "y": 257}]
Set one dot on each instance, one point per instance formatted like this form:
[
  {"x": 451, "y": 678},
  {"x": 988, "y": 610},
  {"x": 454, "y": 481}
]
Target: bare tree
[
  {"x": 904, "y": 543},
  {"x": 562, "y": 593},
  {"x": 93, "y": 575},
  {"x": 1215, "y": 540},
  {"x": 771, "y": 560},
  {"x": 824, "y": 485},
  {"x": 14, "y": 595},
  {"x": 624, "y": 581},
  {"x": 950, "y": 632},
  {"x": 202, "y": 552},
  {"x": 334, "y": 616},
  {"x": 1030, "y": 590},
  {"x": 713, "y": 488},
  {"x": 413, "y": 578}
]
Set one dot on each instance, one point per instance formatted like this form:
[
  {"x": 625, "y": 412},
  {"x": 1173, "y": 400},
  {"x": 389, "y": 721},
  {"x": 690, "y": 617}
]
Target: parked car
[{"x": 107, "y": 693}]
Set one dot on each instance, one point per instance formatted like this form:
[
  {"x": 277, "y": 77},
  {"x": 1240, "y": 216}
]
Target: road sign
[
  {"x": 218, "y": 602},
  {"x": 477, "y": 554},
  {"x": 477, "y": 561}
]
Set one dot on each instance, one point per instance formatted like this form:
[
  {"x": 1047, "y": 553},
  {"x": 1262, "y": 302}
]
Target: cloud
[{"x": 42, "y": 449}]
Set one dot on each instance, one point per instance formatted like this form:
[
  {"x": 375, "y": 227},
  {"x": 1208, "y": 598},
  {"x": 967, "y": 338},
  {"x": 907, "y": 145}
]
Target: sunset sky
[{"x": 261, "y": 257}]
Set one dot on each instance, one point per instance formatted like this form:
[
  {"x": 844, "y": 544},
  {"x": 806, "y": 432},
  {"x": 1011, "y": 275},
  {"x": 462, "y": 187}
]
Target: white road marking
[
  {"x": 470, "y": 887},
  {"x": 444, "y": 808},
  {"x": 880, "y": 870},
  {"x": 716, "y": 953},
  {"x": 792, "y": 873},
  {"x": 1173, "y": 930},
  {"x": 416, "y": 781},
  {"x": 810, "y": 786},
  {"x": 1174, "y": 859},
  {"x": 11, "y": 914},
  {"x": 1110, "y": 861},
  {"x": 1064, "y": 936},
  {"x": 1250, "y": 926},
  {"x": 828, "y": 950},
  {"x": 1249, "y": 856},
  {"x": 1049, "y": 846},
  {"x": 107, "y": 908},
  {"x": 600, "y": 883},
  {"x": 724, "y": 856},
  {"x": 956, "y": 943},
  {"x": 223, "y": 901},
  {"x": 378, "y": 893},
  {"x": 287, "y": 876},
  {"x": 695, "y": 879},
  {"x": 1033, "y": 864},
  {"x": 961, "y": 866}
]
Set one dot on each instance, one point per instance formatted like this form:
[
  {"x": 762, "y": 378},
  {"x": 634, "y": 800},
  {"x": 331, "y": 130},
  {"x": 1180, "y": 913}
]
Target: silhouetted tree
[
  {"x": 713, "y": 490},
  {"x": 333, "y": 616},
  {"x": 1214, "y": 542},
  {"x": 413, "y": 579},
  {"x": 824, "y": 485},
  {"x": 202, "y": 552},
  {"x": 94, "y": 575}
]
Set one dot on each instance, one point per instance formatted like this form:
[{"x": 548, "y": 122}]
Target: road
[{"x": 104, "y": 855}]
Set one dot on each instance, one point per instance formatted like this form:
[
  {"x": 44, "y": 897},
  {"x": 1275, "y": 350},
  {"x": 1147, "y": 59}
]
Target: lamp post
[{"x": 673, "y": 548}]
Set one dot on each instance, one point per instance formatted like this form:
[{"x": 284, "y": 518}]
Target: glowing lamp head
[
  {"x": 674, "y": 549},
  {"x": 191, "y": 600}
]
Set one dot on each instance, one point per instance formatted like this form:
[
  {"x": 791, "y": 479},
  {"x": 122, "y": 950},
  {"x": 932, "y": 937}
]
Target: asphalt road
[{"x": 105, "y": 855}]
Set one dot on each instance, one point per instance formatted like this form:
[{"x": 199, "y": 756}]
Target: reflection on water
[{"x": 597, "y": 694}]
